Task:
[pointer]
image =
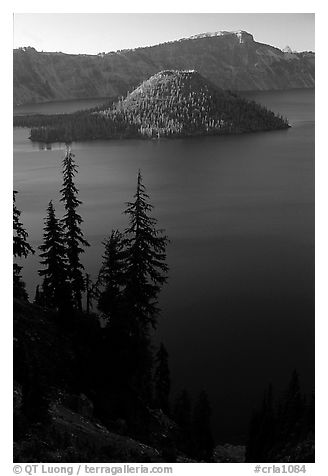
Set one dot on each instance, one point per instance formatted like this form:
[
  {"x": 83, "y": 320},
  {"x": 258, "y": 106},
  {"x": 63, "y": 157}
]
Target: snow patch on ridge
[{"x": 240, "y": 34}]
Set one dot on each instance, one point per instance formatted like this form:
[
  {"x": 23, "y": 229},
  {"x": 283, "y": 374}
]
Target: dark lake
[{"x": 238, "y": 310}]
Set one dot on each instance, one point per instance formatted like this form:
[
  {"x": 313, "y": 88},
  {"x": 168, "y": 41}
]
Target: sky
[{"x": 92, "y": 33}]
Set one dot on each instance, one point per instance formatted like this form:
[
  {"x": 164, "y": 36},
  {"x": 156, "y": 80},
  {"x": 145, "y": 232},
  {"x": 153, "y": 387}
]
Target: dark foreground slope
[
  {"x": 64, "y": 412},
  {"x": 61, "y": 412},
  {"x": 171, "y": 103},
  {"x": 231, "y": 60}
]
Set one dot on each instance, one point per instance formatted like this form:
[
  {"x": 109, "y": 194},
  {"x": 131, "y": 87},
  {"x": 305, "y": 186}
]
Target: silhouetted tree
[
  {"x": 112, "y": 276},
  {"x": 262, "y": 431},
  {"x": 92, "y": 292},
  {"x": 21, "y": 249},
  {"x": 182, "y": 410},
  {"x": 73, "y": 234},
  {"x": 201, "y": 428},
  {"x": 55, "y": 286},
  {"x": 162, "y": 382},
  {"x": 36, "y": 393},
  {"x": 284, "y": 430},
  {"x": 292, "y": 409},
  {"x": 38, "y": 296},
  {"x": 145, "y": 260},
  {"x": 145, "y": 274},
  {"x": 182, "y": 416}
]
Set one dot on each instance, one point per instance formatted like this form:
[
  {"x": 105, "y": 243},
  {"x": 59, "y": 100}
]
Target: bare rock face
[{"x": 231, "y": 60}]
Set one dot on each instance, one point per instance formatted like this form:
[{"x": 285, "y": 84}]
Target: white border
[{"x": 170, "y": 6}]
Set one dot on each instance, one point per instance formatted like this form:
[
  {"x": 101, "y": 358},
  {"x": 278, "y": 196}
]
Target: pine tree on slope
[
  {"x": 55, "y": 287},
  {"x": 145, "y": 261},
  {"x": 162, "y": 380},
  {"x": 21, "y": 249},
  {"x": 145, "y": 273},
  {"x": 111, "y": 277},
  {"x": 73, "y": 234},
  {"x": 201, "y": 428}
]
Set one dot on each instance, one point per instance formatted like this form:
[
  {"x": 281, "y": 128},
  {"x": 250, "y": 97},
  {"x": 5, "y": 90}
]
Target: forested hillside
[{"x": 170, "y": 104}]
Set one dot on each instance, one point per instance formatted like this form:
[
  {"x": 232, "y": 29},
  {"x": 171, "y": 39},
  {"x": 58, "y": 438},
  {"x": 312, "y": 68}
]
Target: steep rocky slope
[
  {"x": 231, "y": 60},
  {"x": 55, "y": 419}
]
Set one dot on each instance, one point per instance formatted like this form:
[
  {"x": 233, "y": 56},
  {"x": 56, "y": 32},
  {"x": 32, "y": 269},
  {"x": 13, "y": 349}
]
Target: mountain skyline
[
  {"x": 96, "y": 33},
  {"x": 230, "y": 60}
]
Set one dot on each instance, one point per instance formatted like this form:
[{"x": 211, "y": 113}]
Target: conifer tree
[
  {"x": 262, "y": 432},
  {"x": 73, "y": 234},
  {"x": 112, "y": 276},
  {"x": 182, "y": 416},
  {"x": 275, "y": 432},
  {"x": 162, "y": 380},
  {"x": 291, "y": 408},
  {"x": 55, "y": 287},
  {"x": 201, "y": 428},
  {"x": 37, "y": 297},
  {"x": 21, "y": 249},
  {"x": 145, "y": 273},
  {"x": 145, "y": 261},
  {"x": 92, "y": 292},
  {"x": 182, "y": 410}
]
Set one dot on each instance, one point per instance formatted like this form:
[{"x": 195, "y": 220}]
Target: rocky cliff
[{"x": 231, "y": 60}]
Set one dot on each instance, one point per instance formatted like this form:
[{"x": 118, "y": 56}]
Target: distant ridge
[{"x": 231, "y": 60}]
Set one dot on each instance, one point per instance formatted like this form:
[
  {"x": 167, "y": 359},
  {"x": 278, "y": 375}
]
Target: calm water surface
[
  {"x": 238, "y": 310},
  {"x": 59, "y": 107}
]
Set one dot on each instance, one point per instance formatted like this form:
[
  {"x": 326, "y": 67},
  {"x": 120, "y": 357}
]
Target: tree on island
[
  {"x": 162, "y": 383},
  {"x": 55, "y": 287},
  {"x": 21, "y": 249},
  {"x": 74, "y": 239}
]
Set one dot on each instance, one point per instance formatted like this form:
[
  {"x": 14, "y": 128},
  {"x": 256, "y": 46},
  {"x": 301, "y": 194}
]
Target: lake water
[{"x": 238, "y": 310}]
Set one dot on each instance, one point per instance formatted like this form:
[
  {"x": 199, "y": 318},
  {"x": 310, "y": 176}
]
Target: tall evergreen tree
[
  {"x": 73, "y": 234},
  {"x": 201, "y": 428},
  {"x": 182, "y": 416},
  {"x": 162, "y": 381},
  {"x": 112, "y": 276},
  {"x": 21, "y": 249},
  {"x": 292, "y": 409},
  {"x": 145, "y": 261},
  {"x": 182, "y": 410},
  {"x": 262, "y": 432},
  {"x": 282, "y": 430},
  {"x": 38, "y": 296},
  {"x": 55, "y": 287},
  {"x": 145, "y": 273},
  {"x": 91, "y": 290}
]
